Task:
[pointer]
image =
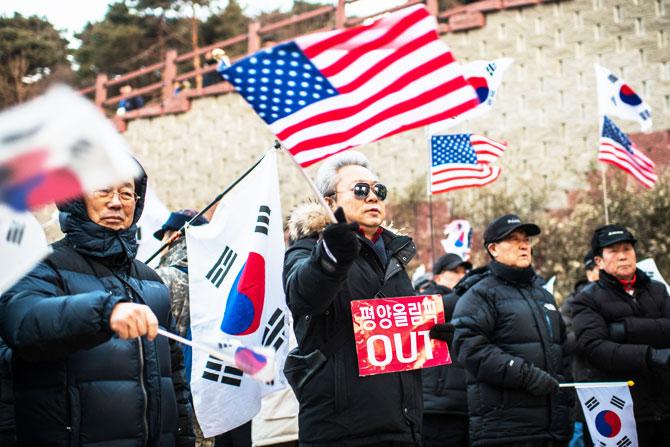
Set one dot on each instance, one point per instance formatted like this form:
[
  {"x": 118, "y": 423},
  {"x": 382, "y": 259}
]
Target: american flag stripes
[
  {"x": 617, "y": 149},
  {"x": 463, "y": 161},
  {"x": 327, "y": 92}
]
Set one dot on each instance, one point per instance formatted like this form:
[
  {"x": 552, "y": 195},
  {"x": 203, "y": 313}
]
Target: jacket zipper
[{"x": 142, "y": 385}]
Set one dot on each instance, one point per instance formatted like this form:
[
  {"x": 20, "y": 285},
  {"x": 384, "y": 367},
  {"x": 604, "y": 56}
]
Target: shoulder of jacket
[{"x": 145, "y": 273}]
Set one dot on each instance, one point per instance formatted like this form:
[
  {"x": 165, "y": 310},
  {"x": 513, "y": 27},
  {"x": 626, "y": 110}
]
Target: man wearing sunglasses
[{"x": 327, "y": 266}]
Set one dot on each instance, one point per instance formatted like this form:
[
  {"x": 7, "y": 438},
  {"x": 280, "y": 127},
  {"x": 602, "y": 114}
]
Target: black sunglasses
[{"x": 362, "y": 190}]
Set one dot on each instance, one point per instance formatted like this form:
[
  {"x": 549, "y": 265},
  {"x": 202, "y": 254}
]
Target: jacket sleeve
[
  {"x": 310, "y": 288},
  {"x": 651, "y": 331},
  {"x": 40, "y": 322},
  {"x": 182, "y": 391},
  {"x": 593, "y": 341},
  {"x": 474, "y": 320}
]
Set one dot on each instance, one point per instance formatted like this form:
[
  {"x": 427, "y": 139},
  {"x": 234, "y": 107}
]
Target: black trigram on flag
[
  {"x": 602, "y": 444},
  {"x": 618, "y": 402},
  {"x": 15, "y": 232},
  {"x": 263, "y": 220},
  {"x": 216, "y": 371},
  {"x": 221, "y": 267},
  {"x": 592, "y": 403},
  {"x": 624, "y": 442},
  {"x": 274, "y": 334}
]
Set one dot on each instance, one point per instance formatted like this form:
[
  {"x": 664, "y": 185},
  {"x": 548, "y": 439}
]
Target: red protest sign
[{"x": 392, "y": 334}]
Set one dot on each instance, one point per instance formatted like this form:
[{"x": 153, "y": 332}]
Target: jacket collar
[
  {"x": 522, "y": 277},
  {"x": 611, "y": 282}
]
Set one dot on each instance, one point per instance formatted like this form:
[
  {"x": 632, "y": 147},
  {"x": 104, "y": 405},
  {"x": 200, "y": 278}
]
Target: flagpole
[
  {"x": 432, "y": 236},
  {"x": 310, "y": 182},
  {"x": 182, "y": 230},
  {"x": 595, "y": 384},
  {"x": 604, "y": 182}
]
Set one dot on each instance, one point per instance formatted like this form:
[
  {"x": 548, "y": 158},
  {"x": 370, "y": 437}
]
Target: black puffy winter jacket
[
  {"x": 75, "y": 383},
  {"x": 504, "y": 321},
  {"x": 6, "y": 395},
  {"x": 646, "y": 318},
  {"x": 337, "y": 407}
]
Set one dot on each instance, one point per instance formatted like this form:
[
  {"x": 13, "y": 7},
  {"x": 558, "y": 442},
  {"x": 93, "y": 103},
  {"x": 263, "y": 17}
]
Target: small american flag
[
  {"x": 327, "y": 92},
  {"x": 463, "y": 161},
  {"x": 617, "y": 149}
]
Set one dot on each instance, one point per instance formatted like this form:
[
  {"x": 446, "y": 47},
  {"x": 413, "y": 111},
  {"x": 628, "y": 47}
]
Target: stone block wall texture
[{"x": 546, "y": 109}]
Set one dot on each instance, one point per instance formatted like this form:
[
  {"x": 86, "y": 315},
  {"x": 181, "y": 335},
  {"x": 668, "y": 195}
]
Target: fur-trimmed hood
[{"x": 309, "y": 219}]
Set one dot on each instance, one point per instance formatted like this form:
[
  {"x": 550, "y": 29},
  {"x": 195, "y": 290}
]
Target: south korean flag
[
  {"x": 609, "y": 415},
  {"x": 22, "y": 243}
]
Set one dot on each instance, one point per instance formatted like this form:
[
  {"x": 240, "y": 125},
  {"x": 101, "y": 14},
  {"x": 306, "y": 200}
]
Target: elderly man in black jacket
[
  {"x": 445, "y": 407},
  {"x": 510, "y": 336},
  {"x": 328, "y": 266},
  {"x": 88, "y": 367},
  {"x": 622, "y": 326}
]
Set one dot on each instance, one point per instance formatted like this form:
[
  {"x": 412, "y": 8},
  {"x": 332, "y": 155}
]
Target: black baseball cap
[
  {"x": 589, "y": 260},
  {"x": 450, "y": 261},
  {"x": 503, "y": 226},
  {"x": 609, "y": 235}
]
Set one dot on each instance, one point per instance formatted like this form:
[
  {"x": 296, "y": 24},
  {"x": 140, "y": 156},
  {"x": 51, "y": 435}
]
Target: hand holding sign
[{"x": 400, "y": 334}]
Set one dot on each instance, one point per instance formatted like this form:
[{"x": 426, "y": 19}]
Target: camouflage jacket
[{"x": 173, "y": 271}]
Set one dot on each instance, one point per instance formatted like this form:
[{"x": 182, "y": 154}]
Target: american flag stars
[
  {"x": 453, "y": 149},
  {"x": 279, "y": 81}
]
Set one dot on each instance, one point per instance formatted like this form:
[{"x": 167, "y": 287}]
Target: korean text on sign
[{"x": 392, "y": 334}]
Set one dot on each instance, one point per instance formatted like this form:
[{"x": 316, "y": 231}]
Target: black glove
[
  {"x": 340, "y": 239},
  {"x": 539, "y": 382},
  {"x": 442, "y": 331},
  {"x": 617, "y": 331},
  {"x": 658, "y": 358}
]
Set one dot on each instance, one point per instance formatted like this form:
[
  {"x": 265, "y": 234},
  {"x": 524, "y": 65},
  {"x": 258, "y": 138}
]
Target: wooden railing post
[
  {"x": 340, "y": 16},
  {"x": 100, "y": 89},
  {"x": 253, "y": 38},
  {"x": 433, "y": 7},
  {"x": 169, "y": 73}
]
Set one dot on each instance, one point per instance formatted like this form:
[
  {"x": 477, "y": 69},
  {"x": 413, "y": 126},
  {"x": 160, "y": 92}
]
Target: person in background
[
  {"x": 173, "y": 270},
  {"x": 622, "y": 328},
  {"x": 445, "y": 417},
  {"x": 130, "y": 103}
]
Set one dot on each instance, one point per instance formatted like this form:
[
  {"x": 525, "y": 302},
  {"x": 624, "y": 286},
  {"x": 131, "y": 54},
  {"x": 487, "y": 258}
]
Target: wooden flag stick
[
  {"x": 595, "y": 384},
  {"x": 310, "y": 182}
]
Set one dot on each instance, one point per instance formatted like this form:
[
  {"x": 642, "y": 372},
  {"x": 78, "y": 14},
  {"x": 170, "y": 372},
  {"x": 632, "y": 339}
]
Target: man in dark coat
[
  {"x": 622, "y": 326},
  {"x": 7, "y": 425},
  {"x": 445, "y": 406},
  {"x": 88, "y": 367},
  {"x": 326, "y": 267},
  {"x": 510, "y": 338}
]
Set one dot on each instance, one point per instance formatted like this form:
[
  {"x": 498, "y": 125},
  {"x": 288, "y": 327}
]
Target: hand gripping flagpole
[
  {"x": 595, "y": 384},
  {"x": 310, "y": 182},
  {"x": 182, "y": 230}
]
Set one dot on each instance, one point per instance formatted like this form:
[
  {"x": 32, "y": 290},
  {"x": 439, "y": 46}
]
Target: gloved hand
[
  {"x": 658, "y": 358},
  {"x": 340, "y": 239},
  {"x": 442, "y": 331},
  {"x": 539, "y": 382},
  {"x": 617, "y": 331}
]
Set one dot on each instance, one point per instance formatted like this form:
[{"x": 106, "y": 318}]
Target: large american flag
[
  {"x": 327, "y": 92},
  {"x": 617, "y": 149},
  {"x": 463, "y": 161}
]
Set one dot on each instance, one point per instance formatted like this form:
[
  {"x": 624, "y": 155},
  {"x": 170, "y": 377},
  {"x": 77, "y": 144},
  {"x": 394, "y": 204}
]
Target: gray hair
[{"x": 327, "y": 176}]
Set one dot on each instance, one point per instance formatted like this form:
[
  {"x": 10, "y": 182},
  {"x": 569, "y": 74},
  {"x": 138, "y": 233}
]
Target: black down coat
[
  {"x": 6, "y": 395},
  {"x": 444, "y": 387},
  {"x": 505, "y": 320},
  {"x": 75, "y": 384},
  {"x": 646, "y": 316},
  {"x": 337, "y": 407}
]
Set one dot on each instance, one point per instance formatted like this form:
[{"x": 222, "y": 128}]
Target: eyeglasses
[
  {"x": 362, "y": 190},
  {"x": 108, "y": 194}
]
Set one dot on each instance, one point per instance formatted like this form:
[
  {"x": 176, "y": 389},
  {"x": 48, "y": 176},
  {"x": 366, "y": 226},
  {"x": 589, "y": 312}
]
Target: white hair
[{"x": 327, "y": 177}]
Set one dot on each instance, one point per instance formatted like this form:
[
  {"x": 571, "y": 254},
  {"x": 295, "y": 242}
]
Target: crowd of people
[{"x": 83, "y": 362}]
